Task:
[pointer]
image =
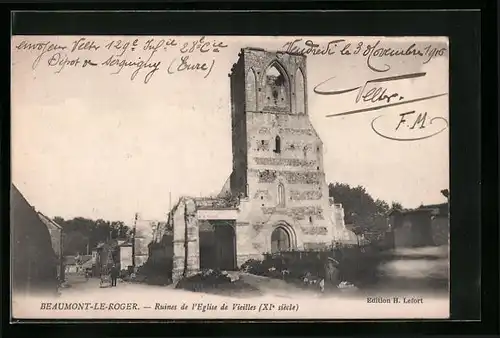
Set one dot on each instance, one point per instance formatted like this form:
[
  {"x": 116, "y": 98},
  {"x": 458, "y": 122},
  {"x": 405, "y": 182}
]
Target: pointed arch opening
[
  {"x": 276, "y": 87},
  {"x": 251, "y": 91},
  {"x": 280, "y": 240},
  {"x": 300, "y": 92},
  {"x": 283, "y": 238}
]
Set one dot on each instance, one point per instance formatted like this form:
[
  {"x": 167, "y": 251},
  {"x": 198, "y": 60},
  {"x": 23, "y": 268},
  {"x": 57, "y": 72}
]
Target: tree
[
  {"x": 396, "y": 206},
  {"x": 81, "y": 234},
  {"x": 361, "y": 210}
]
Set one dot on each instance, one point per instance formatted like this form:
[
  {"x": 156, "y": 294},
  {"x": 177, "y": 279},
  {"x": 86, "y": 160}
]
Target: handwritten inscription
[
  {"x": 377, "y": 91},
  {"x": 184, "y": 64},
  {"x": 372, "y": 52},
  {"x": 410, "y": 126},
  {"x": 138, "y": 56},
  {"x": 299, "y": 46},
  {"x": 374, "y": 91}
]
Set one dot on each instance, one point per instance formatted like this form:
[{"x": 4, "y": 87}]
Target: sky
[{"x": 89, "y": 143}]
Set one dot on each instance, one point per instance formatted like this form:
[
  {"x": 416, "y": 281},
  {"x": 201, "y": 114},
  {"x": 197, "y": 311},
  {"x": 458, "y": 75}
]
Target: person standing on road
[
  {"x": 332, "y": 273},
  {"x": 114, "y": 275}
]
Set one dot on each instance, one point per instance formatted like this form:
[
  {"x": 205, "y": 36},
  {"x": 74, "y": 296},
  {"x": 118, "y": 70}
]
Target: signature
[
  {"x": 374, "y": 91},
  {"x": 422, "y": 123}
]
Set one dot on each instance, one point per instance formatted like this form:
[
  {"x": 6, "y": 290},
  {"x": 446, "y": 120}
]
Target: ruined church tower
[{"x": 277, "y": 156}]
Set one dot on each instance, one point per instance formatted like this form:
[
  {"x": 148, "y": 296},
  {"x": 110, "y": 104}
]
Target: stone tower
[{"x": 277, "y": 155}]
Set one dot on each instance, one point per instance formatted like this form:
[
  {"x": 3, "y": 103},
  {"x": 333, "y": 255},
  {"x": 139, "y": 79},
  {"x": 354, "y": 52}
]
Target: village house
[
  {"x": 276, "y": 197},
  {"x": 56, "y": 236},
  {"x": 107, "y": 254},
  {"x": 144, "y": 233},
  {"x": 78, "y": 264},
  {"x": 34, "y": 261},
  {"x": 424, "y": 226},
  {"x": 121, "y": 253},
  {"x": 125, "y": 255}
]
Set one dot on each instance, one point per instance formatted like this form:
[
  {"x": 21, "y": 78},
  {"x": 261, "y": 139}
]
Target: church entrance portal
[
  {"x": 280, "y": 240},
  {"x": 217, "y": 245}
]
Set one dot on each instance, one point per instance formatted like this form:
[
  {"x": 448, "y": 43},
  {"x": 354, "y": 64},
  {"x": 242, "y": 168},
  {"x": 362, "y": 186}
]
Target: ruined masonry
[{"x": 276, "y": 197}]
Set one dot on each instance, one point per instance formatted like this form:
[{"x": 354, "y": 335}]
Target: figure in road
[
  {"x": 332, "y": 273},
  {"x": 114, "y": 275}
]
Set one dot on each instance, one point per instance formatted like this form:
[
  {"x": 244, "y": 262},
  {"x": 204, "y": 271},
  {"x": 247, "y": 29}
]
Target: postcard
[{"x": 229, "y": 177}]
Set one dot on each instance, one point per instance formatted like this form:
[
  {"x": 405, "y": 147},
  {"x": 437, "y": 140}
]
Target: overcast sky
[{"x": 88, "y": 143}]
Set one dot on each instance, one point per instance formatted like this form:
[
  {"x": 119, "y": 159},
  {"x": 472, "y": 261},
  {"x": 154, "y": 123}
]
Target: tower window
[
  {"x": 277, "y": 148},
  {"x": 310, "y": 219},
  {"x": 277, "y": 87},
  {"x": 281, "y": 195}
]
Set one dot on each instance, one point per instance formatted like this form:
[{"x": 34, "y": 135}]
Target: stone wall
[
  {"x": 283, "y": 149},
  {"x": 412, "y": 229},
  {"x": 178, "y": 240},
  {"x": 239, "y": 131}
]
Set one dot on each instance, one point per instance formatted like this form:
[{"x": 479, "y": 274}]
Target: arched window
[
  {"x": 277, "y": 147},
  {"x": 280, "y": 241},
  {"x": 277, "y": 88},
  {"x": 300, "y": 92},
  {"x": 281, "y": 195},
  {"x": 251, "y": 91}
]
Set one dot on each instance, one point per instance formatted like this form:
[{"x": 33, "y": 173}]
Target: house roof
[
  {"x": 434, "y": 209},
  {"x": 215, "y": 203},
  {"x": 48, "y": 222},
  {"x": 410, "y": 211},
  {"x": 88, "y": 264},
  {"x": 441, "y": 209},
  {"x": 72, "y": 260},
  {"x": 124, "y": 243}
]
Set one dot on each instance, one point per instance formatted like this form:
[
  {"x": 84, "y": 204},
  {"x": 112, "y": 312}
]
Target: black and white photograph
[{"x": 229, "y": 177}]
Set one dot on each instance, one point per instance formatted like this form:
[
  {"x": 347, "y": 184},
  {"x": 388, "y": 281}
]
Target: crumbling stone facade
[
  {"x": 277, "y": 157},
  {"x": 277, "y": 178}
]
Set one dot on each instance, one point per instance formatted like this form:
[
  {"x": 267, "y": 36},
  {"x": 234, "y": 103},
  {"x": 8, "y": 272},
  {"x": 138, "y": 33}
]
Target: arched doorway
[
  {"x": 217, "y": 245},
  {"x": 280, "y": 240}
]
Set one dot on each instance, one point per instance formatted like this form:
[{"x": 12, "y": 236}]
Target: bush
[
  {"x": 158, "y": 272},
  {"x": 213, "y": 281},
  {"x": 357, "y": 265}
]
